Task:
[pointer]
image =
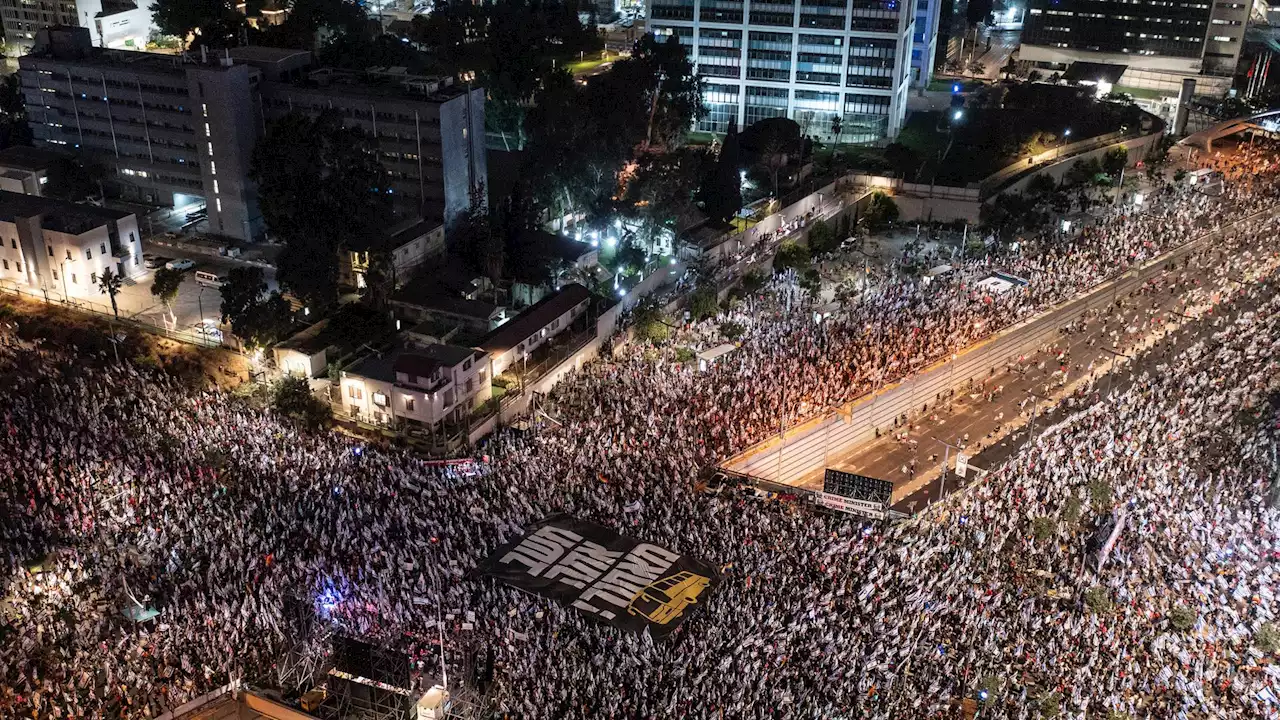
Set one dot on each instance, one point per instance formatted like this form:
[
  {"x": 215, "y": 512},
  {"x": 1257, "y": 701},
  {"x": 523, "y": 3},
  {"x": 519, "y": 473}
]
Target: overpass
[{"x": 1268, "y": 121}]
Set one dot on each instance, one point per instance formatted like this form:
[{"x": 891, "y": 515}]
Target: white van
[{"x": 210, "y": 278}]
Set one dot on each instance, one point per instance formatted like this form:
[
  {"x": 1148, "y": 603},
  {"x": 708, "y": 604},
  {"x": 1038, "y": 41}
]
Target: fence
[
  {"x": 798, "y": 453},
  {"x": 104, "y": 311}
]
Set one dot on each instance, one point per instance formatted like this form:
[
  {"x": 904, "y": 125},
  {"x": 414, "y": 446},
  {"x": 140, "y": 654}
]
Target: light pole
[
  {"x": 1035, "y": 406},
  {"x": 1115, "y": 353},
  {"x": 946, "y": 460},
  {"x": 1065, "y": 134}
]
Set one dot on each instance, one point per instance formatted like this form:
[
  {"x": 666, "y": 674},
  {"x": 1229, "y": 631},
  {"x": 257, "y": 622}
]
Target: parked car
[
  {"x": 155, "y": 261},
  {"x": 180, "y": 264},
  {"x": 170, "y": 236},
  {"x": 207, "y": 328}
]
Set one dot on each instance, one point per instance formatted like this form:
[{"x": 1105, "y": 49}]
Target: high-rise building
[
  {"x": 809, "y": 60},
  {"x": 111, "y": 23},
  {"x": 1159, "y": 43},
  {"x": 180, "y": 131},
  {"x": 924, "y": 41}
]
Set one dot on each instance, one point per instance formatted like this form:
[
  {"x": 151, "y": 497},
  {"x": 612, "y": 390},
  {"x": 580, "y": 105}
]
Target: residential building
[
  {"x": 26, "y": 169},
  {"x": 111, "y": 24},
  {"x": 924, "y": 41},
  {"x": 1160, "y": 43},
  {"x": 416, "y": 385},
  {"x": 517, "y": 339},
  {"x": 180, "y": 131},
  {"x": 810, "y": 60},
  {"x": 442, "y": 296},
  {"x": 408, "y": 247},
  {"x": 62, "y": 249}
]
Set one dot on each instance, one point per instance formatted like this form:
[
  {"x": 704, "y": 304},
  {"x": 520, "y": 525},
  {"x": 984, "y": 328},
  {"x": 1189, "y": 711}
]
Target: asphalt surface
[{"x": 992, "y": 439}]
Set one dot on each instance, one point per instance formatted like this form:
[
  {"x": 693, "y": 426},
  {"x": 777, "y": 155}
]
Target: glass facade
[
  {"x": 720, "y": 53},
  {"x": 769, "y": 56},
  {"x": 766, "y": 102},
  {"x": 721, "y": 102}
]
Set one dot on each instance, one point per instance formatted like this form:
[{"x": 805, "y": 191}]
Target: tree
[
  {"x": 837, "y": 127},
  {"x": 722, "y": 196},
  {"x": 109, "y": 284},
  {"x": 649, "y": 322},
  {"x": 13, "y": 113},
  {"x": 1268, "y": 638},
  {"x": 881, "y": 211},
  {"x": 164, "y": 286},
  {"x": 822, "y": 238},
  {"x": 211, "y": 23},
  {"x": 976, "y": 68},
  {"x": 1042, "y": 528},
  {"x": 1097, "y": 600},
  {"x": 703, "y": 303},
  {"x": 753, "y": 281},
  {"x": 791, "y": 255},
  {"x": 902, "y": 160},
  {"x": 243, "y": 289},
  {"x": 1182, "y": 618},
  {"x": 732, "y": 330},
  {"x": 74, "y": 179},
  {"x": 1114, "y": 160},
  {"x": 310, "y": 22},
  {"x": 811, "y": 281},
  {"x": 1040, "y": 184},
  {"x": 265, "y": 322},
  {"x": 320, "y": 187},
  {"x": 291, "y": 396}
]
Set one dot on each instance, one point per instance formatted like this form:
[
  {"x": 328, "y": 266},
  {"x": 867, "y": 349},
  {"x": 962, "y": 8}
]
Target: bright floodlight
[
  {"x": 957, "y": 115},
  {"x": 610, "y": 241},
  {"x": 1067, "y": 132}
]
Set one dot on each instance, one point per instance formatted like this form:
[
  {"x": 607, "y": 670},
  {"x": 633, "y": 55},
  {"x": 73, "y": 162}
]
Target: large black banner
[{"x": 627, "y": 583}]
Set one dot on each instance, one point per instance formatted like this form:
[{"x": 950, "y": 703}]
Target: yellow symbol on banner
[{"x": 664, "y": 600}]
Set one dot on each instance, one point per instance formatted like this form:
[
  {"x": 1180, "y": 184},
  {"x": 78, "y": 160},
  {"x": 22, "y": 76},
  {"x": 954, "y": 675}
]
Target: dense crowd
[{"x": 135, "y": 493}]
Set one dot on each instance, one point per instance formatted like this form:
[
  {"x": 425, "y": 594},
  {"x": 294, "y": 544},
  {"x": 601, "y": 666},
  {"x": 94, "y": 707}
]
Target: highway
[{"x": 848, "y": 440}]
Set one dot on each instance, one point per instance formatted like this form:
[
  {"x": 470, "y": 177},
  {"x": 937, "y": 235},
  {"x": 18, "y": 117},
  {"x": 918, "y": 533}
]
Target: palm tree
[{"x": 109, "y": 284}]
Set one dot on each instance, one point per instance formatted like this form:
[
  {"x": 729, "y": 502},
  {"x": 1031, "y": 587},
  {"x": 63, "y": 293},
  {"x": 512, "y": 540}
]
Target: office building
[
  {"x": 1159, "y": 43},
  {"x": 110, "y": 24},
  {"x": 180, "y": 131},
  {"x": 924, "y": 41},
  {"x": 62, "y": 249},
  {"x": 809, "y": 60}
]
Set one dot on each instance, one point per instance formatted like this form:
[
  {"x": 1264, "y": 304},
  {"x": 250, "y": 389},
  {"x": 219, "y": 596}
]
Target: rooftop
[
  {"x": 537, "y": 316},
  {"x": 32, "y": 159},
  {"x": 415, "y": 361},
  {"x": 430, "y": 294},
  {"x": 264, "y": 54},
  {"x": 59, "y": 215}
]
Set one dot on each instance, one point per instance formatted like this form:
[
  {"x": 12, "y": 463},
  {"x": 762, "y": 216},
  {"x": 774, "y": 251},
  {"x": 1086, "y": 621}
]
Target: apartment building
[
  {"x": 416, "y": 385},
  {"x": 62, "y": 248},
  {"x": 111, "y": 24},
  {"x": 809, "y": 60},
  {"x": 180, "y": 131},
  {"x": 1160, "y": 43}
]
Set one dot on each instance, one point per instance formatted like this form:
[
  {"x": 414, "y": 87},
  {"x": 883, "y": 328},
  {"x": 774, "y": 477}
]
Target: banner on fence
[{"x": 627, "y": 583}]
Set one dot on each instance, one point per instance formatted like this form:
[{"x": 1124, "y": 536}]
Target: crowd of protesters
[{"x": 124, "y": 492}]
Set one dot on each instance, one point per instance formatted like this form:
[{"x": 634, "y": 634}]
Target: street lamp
[{"x": 1111, "y": 374}]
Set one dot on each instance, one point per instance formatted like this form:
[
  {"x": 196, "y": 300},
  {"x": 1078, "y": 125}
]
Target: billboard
[{"x": 627, "y": 583}]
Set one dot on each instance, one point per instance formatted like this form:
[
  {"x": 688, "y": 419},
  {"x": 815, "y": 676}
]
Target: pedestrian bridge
[{"x": 1268, "y": 121}]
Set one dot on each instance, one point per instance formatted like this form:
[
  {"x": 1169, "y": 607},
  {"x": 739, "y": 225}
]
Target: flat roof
[
  {"x": 428, "y": 293},
  {"x": 58, "y": 215},
  {"x": 32, "y": 159},
  {"x": 717, "y": 351},
  {"x": 534, "y": 318},
  {"x": 264, "y": 54},
  {"x": 418, "y": 361}
]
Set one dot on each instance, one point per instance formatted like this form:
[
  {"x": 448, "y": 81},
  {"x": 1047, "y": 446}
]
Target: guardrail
[
  {"x": 803, "y": 450},
  {"x": 85, "y": 306}
]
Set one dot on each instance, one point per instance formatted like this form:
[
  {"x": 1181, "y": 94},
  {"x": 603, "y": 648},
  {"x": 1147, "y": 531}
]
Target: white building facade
[
  {"x": 924, "y": 41},
  {"x": 420, "y": 386},
  {"x": 62, "y": 249},
  {"x": 809, "y": 60}
]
